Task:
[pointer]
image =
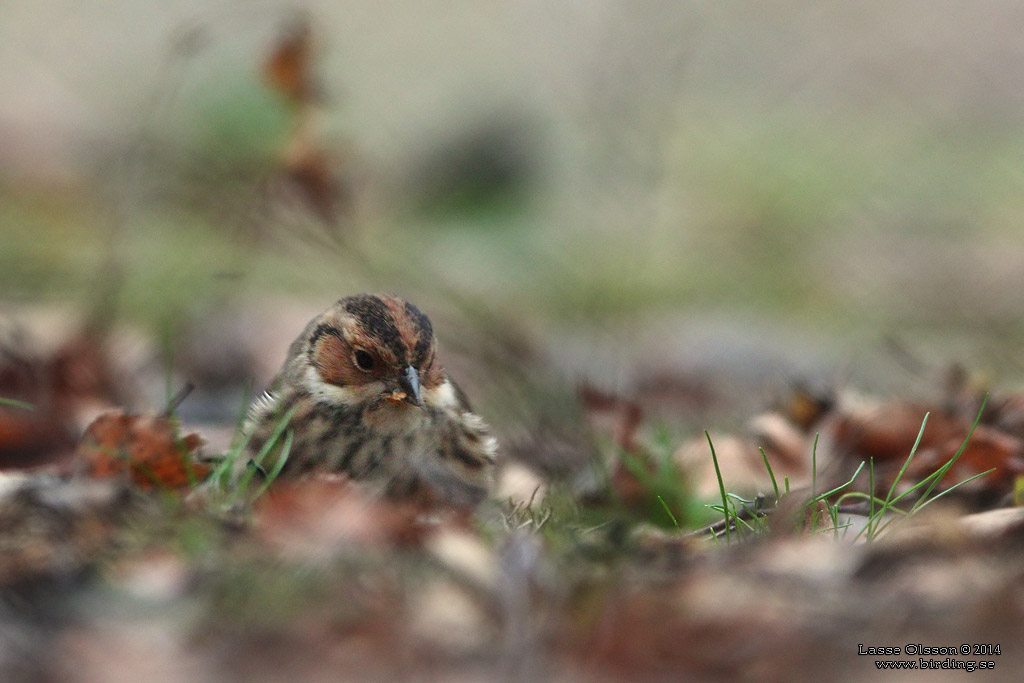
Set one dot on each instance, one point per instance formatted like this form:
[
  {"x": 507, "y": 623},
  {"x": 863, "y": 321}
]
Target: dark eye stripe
[{"x": 321, "y": 330}]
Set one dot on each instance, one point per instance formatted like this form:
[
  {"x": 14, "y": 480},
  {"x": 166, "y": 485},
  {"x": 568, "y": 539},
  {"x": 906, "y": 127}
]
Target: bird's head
[{"x": 373, "y": 348}]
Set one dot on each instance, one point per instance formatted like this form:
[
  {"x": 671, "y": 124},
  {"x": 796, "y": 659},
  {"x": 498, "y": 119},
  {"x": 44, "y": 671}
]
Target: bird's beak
[{"x": 410, "y": 383}]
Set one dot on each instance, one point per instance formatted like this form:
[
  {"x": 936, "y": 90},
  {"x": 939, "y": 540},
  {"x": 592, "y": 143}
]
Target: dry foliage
[
  {"x": 307, "y": 168},
  {"x": 55, "y": 392},
  {"x": 144, "y": 449}
]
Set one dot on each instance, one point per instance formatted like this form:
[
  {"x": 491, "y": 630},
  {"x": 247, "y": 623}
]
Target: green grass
[
  {"x": 739, "y": 212},
  {"x": 601, "y": 528},
  {"x": 235, "y": 489},
  {"x": 877, "y": 522},
  {"x": 12, "y": 403},
  {"x": 745, "y": 516}
]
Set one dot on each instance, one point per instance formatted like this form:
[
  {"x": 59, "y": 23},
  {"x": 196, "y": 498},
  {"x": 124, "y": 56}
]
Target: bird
[{"x": 364, "y": 394}]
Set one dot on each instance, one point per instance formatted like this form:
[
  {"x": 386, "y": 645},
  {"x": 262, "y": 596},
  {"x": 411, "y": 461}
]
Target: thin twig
[
  {"x": 745, "y": 513},
  {"x": 177, "y": 399}
]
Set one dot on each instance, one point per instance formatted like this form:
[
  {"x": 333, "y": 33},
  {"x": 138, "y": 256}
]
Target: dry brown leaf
[
  {"x": 288, "y": 70},
  {"x": 146, "y": 449},
  {"x": 987, "y": 449},
  {"x": 887, "y": 432},
  {"x": 58, "y": 389},
  {"x": 785, "y": 443},
  {"x": 309, "y": 173}
]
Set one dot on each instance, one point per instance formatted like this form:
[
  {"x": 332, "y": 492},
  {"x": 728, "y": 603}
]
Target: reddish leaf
[
  {"x": 60, "y": 389},
  {"x": 887, "y": 433},
  {"x": 144, "y": 448},
  {"x": 288, "y": 69},
  {"x": 987, "y": 449}
]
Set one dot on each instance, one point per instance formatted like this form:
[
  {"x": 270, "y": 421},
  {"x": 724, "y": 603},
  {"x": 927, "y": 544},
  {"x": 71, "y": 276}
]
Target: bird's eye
[{"x": 364, "y": 361}]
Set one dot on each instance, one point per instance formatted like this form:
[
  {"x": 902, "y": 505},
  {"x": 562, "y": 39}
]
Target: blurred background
[
  {"x": 688, "y": 200},
  {"x": 629, "y": 221}
]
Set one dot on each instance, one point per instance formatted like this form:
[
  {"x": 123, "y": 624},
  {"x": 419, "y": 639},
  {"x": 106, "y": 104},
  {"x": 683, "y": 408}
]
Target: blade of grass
[
  {"x": 279, "y": 465},
  {"x": 814, "y": 466},
  {"x": 253, "y": 465},
  {"x": 12, "y": 403},
  {"x": 945, "y": 468},
  {"x": 924, "y": 502},
  {"x": 187, "y": 461},
  {"x": 872, "y": 500},
  {"x": 913, "y": 452},
  {"x": 951, "y": 489},
  {"x": 933, "y": 479},
  {"x": 837, "y": 489},
  {"x": 767, "y": 465},
  {"x": 668, "y": 512},
  {"x": 871, "y": 490},
  {"x": 227, "y": 461},
  {"x": 721, "y": 485},
  {"x": 824, "y": 496},
  {"x": 237, "y": 446},
  {"x": 888, "y": 504},
  {"x": 752, "y": 508}
]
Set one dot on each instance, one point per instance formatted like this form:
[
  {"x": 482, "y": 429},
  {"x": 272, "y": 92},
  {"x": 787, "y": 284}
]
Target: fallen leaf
[
  {"x": 288, "y": 70},
  {"x": 146, "y": 449},
  {"x": 987, "y": 449},
  {"x": 48, "y": 397},
  {"x": 887, "y": 433}
]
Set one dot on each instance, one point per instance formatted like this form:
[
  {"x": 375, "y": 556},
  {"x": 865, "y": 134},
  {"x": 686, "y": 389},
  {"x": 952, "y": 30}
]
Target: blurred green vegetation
[
  {"x": 762, "y": 200},
  {"x": 748, "y": 214},
  {"x": 873, "y": 219}
]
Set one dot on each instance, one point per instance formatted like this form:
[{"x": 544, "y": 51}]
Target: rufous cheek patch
[{"x": 331, "y": 359}]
